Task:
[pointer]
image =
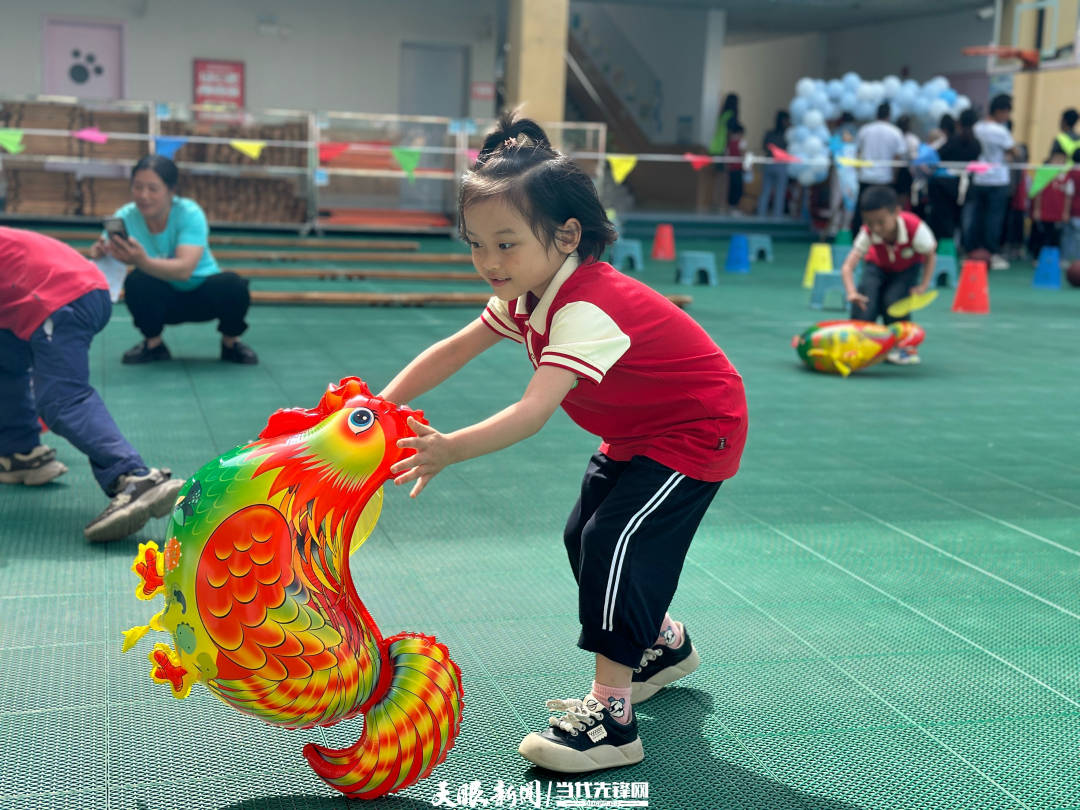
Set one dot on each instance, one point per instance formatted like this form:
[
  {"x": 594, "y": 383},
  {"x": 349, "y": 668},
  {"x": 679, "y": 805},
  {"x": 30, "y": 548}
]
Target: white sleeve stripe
[
  {"x": 505, "y": 324},
  {"x": 497, "y": 327},
  {"x": 573, "y": 359},
  {"x": 571, "y": 365}
]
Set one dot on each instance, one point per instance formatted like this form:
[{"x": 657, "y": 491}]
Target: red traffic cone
[
  {"x": 663, "y": 244},
  {"x": 973, "y": 291}
]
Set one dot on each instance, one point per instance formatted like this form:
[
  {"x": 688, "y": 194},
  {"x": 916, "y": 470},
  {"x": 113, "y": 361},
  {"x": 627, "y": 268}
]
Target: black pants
[
  {"x": 154, "y": 303},
  {"x": 626, "y": 539},
  {"x": 1044, "y": 234},
  {"x": 984, "y": 217},
  {"x": 884, "y": 289},
  {"x": 735, "y": 185},
  {"x": 944, "y": 210}
]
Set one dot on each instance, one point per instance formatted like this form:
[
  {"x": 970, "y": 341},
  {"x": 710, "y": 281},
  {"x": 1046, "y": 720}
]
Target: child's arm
[
  {"x": 927, "y": 274},
  {"x": 847, "y": 273},
  {"x": 439, "y": 361},
  {"x": 434, "y": 450}
]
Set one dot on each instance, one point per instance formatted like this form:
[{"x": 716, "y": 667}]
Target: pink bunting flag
[
  {"x": 978, "y": 167},
  {"x": 781, "y": 155},
  {"x": 699, "y": 162},
  {"x": 473, "y": 155},
  {"x": 91, "y": 134}
]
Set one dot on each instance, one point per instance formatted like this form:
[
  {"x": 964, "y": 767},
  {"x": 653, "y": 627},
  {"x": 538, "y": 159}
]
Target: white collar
[
  {"x": 901, "y": 234},
  {"x": 538, "y": 317}
]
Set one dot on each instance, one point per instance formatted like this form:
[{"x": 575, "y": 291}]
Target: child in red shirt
[{"x": 1050, "y": 210}]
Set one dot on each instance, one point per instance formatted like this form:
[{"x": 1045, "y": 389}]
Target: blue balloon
[
  {"x": 835, "y": 89},
  {"x": 798, "y": 108},
  {"x": 848, "y": 101},
  {"x": 864, "y": 110},
  {"x": 800, "y": 134},
  {"x": 949, "y": 96},
  {"x": 852, "y": 81}
]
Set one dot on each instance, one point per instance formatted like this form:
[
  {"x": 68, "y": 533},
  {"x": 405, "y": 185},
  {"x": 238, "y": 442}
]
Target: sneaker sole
[
  {"x": 643, "y": 690},
  {"x": 34, "y": 477},
  {"x": 559, "y": 758},
  {"x": 124, "y": 522}
]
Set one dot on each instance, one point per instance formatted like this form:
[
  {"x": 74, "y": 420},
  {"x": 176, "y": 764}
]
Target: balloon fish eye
[{"x": 360, "y": 420}]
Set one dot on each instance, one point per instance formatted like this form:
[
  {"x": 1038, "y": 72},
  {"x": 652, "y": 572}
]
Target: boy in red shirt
[
  {"x": 1050, "y": 209},
  {"x": 900, "y": 253},
  {"x": 52, "y": 303}
]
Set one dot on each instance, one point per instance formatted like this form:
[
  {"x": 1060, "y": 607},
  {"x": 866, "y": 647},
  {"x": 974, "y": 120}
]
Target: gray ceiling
[{"x": 787, "y": 16}]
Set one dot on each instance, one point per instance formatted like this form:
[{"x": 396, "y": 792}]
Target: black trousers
[
  {"x": 944, "y": 209},
  {"x": 154, "y": 303},
  {"x": 884, "y": 289},
  {"x": 627, "y": 538},
  {"x": 1044, "y": 234}
]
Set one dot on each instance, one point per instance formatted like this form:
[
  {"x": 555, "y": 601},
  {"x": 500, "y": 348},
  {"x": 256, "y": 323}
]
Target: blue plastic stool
[
  {"x": 738, "y": 254},
  {"x": 692, "y": 264},
  {"x": 760, "y": 247},
  {"x": 825, "y": 283},
  {"x": 1048, "y": 270},
  {"x": 839, "y": 253},
  {"x": 945, "y": 266},
  {"x": 628, "y": 252}
]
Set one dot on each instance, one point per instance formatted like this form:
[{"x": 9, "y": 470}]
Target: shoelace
[
  {"x": 577, "y": 715},
  {"x": 649, "y": 656}
]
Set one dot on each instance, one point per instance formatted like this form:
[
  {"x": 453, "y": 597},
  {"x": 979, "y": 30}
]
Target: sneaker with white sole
[
  {"x": 585, "y": 737},
  {"x": 137, "y": 498},
  {"x": 661, "y": 666},
  {"x": 998, "y": 262},
  {"x": 37, "y": 467},
  {"x": 903, "y": 356}
]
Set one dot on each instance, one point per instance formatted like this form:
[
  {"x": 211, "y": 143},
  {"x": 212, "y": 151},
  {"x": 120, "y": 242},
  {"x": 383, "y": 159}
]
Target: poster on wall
[{"x": 219, "y": 87}]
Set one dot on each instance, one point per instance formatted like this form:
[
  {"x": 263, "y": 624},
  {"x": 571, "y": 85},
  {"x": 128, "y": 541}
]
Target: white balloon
[
  {"x": 962, "y": 103},
  {"x": 938, "y": 108},
  {"x": 865, "y": 92},
  {"x": 891, "y": 85},
  {"x": 804, "y": 88},
  {"x": 814, "y": 146},
  {"x": 807, "y": 176},
  {"x": 813, "y": 119}
]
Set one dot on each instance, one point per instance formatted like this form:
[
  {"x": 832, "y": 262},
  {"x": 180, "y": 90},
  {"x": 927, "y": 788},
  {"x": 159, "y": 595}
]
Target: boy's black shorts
[{"x": 626, "y": 539}]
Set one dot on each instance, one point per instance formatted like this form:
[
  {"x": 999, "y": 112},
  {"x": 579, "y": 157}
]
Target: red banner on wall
[{"x": 218, "y": 84}]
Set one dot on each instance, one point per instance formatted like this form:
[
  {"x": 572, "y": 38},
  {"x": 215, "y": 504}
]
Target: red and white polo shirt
[
  {"x": 651, "y": 381},
  {"x": 914, "y": 242}
]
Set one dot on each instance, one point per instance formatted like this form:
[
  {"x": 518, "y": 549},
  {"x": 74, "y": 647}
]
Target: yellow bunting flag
[
  {"x": 621, "y": 166},
  {"x": 253, "y": 149},
  {"x": 854, "y": 163},
  {"x": 12, "y": 140}
]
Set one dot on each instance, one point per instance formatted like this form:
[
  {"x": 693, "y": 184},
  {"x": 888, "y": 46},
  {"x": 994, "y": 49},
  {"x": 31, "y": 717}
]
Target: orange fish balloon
[
  {"x": 841, "y": 347},
  {"x": 261, "y": 605}
]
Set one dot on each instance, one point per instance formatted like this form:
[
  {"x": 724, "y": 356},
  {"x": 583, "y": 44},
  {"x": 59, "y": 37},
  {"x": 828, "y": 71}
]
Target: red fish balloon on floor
[
  {"x": 261, "y": 605},
  {"x": 841, "y": 347}
]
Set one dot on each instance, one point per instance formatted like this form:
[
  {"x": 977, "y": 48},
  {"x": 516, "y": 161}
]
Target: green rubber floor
[{"x": 886, "y": 599}]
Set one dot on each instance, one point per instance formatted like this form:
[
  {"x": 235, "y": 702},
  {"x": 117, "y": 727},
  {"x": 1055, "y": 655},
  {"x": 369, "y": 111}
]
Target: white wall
[
  {"x": 927, "y": 46},
  {"x": 713, "y": 77},
  {"x": 764, "y": 73},
  {"x": 339, "y": 55},
  {"x": 672, "y": 42}
]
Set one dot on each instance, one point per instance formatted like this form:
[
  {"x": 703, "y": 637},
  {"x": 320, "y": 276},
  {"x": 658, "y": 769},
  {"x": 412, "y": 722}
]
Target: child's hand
[
  {"x": 432, "y": 454},
  {"x": 857, "y": 297},
  {"x": 919, "y": 289}
]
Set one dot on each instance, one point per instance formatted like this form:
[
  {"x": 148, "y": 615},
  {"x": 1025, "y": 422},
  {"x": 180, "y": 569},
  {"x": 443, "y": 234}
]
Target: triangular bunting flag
[
  {"x": 473, "y": 155},
  {"x": 167, "y": 146},
  {"x": 1044, "y": 176},
  {"x": 977, "y": 167},
  {"x": 621, "y": 166},
  {"x": 11, "y": 140},
  {"x": 91, "y": 134},
  {"x": 407, "y": 158},
  {"x": 699, "y": 162},
  {"x": 253, "y": 149},
  {"x": 330, "y": 150},
  {"x": 781, "y": 155}
]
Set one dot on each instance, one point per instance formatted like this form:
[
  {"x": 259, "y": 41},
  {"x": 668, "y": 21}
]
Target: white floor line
[
  {"x": 869, "y": 690},
  {"x": 1011, "y": 482},
  {"x": 907, "y": 606}
]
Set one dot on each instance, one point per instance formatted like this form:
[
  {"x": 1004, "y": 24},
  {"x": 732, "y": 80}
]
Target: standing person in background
[
  {"x": 988, "y": 196},
  {"x": 736, "y": 149},
  {"x": 176, "y": 279},
  {"x": 877, "y": 141},
  {"x": 774, "y": 179},
  {"x": 1017, "y": 214},
  {"x": 1067, "y": 141},
  {"x": 728, "y": 115},
  {"x": 944, "y": 187},
  {"x": 1050, "y": 209},
  {"x": 1070, "y": 239},
  {"x": 905, "y": 181}
]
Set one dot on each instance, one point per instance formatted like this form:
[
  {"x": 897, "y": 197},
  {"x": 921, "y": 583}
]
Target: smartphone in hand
[{"x": 114, "y": 226}]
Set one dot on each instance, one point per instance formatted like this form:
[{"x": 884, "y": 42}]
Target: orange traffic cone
[
  {"x": 663, "y": 245},
  {"x": 973, "y": 291}
]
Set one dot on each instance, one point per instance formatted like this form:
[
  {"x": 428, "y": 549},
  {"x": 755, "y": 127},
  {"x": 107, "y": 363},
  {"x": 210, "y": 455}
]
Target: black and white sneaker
[
  {"x": 142, "y": 353},
  {"x": 661, "y": 666},
  {"x": 137, "y": 498},
  {"x": 239, "y": 353},
  {"x": 37, "y": 467},
  {"x": 584, "y": 738}
]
